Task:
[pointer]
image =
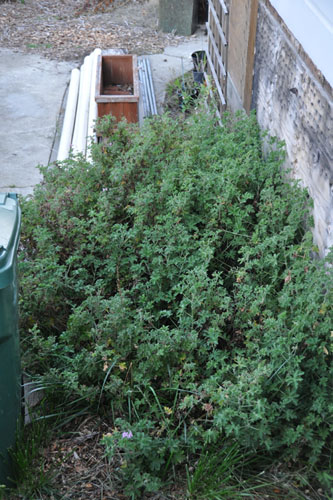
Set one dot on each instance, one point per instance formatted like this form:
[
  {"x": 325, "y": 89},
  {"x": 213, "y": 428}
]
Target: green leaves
[{"x": 178, "y": 261}]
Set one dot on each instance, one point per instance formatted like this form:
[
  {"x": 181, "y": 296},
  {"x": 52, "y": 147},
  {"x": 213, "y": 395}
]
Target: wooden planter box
[{"x": 117, "y": 86}]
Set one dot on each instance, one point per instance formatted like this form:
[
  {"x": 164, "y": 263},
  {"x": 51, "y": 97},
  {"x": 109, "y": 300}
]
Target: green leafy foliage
[{"x": 171, "y": 285}]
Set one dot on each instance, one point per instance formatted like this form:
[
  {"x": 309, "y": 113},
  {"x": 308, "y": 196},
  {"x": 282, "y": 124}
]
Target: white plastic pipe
[
  {"x": 79, "y": 104},
  {"x": 81, "y": 122},
  {"x": 69, "y": 118},
  {"x": 92, "y": 115}
]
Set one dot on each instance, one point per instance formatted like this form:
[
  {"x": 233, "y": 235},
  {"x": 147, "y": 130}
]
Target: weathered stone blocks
[
  {"x": 293, "y": 105},
  {"x": 179, "y": 16}
]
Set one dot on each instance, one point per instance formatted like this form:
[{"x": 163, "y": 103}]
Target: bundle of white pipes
[
  {"x": 78, "y": 132},
  {"x": 81, "y": 110}
]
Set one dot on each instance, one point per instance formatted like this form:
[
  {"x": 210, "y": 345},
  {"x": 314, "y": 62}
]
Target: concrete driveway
[{"x": 31, "y": 93}]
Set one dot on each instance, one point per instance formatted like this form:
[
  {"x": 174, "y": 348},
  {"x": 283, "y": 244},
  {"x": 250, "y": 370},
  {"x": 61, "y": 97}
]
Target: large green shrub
[{"x": 171, "y": 285}]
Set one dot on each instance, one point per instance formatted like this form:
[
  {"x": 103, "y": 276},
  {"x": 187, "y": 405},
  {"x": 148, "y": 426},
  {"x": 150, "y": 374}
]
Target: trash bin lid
[{"x": 9, "y": 235}]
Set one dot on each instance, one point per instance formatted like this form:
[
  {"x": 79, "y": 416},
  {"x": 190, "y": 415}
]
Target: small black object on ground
[{"x": 199, "y": 59}]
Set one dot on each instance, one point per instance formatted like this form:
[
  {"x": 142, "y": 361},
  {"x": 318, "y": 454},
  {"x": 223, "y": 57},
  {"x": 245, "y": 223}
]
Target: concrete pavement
[
  {"x": 172, "y": 63},
  {"x": 31, "y": 92}
]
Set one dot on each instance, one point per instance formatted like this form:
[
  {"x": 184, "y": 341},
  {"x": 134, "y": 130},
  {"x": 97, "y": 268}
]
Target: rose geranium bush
[{"x": 171, "y": 286}]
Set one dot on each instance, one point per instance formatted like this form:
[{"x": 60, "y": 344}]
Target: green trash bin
[{"x": 10, "y": 371}]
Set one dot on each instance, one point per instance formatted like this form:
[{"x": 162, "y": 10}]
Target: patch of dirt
[
  {"x": 71, "y": 29},
  {"x": 78, "y": 464},
  {"x": 77, "y": 469}
]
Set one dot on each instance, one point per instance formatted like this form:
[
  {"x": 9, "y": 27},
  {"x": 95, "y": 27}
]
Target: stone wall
[{"x": 295, "y": 103}]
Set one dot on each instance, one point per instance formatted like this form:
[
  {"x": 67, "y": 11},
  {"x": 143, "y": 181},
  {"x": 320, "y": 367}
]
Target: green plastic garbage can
[{"x": 10, "y": 372}]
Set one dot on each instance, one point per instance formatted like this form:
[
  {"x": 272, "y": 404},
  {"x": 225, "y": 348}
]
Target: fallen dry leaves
[
  {"x": 81, "y": 472},
  {"x": 77, "y": 463},
  {"x": 70, "y": 29}
]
